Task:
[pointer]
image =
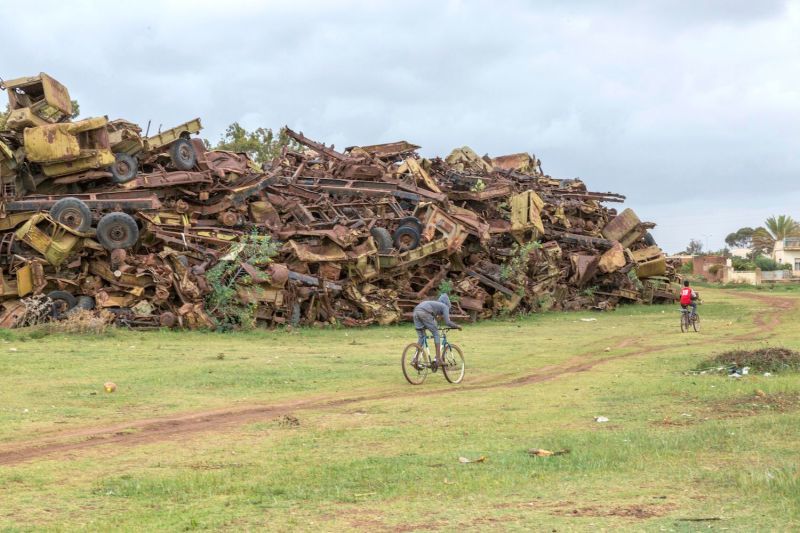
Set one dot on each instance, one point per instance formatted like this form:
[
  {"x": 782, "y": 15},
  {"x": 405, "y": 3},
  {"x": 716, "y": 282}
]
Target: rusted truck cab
[
  {"x": 70, "y": 147},
  {"x": 36, "y": 101}
]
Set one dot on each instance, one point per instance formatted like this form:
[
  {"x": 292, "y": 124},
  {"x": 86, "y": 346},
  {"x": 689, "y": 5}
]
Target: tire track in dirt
[
  {"x": 766, "y": 322},
  {"x": 155, "y": 430}
]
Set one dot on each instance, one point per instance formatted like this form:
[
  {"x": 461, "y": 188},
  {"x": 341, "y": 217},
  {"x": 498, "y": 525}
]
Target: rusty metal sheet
[
  {"x": 387, "y": 150},
  {"x": 618, "y": 227},
  {"x": 612, "y": 259},
  {"x": 495, "y": 191},
  {"x": 160, "y": 179},
  {"x": 526, "y": 210},
  {"x": 329, "y": 251}
]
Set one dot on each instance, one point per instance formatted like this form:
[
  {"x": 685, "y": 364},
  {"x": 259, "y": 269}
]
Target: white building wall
[{"x": 783, "y": 256}]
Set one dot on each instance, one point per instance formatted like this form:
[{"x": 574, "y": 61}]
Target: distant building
[
  {"x": 711, "y": 267},
  {"x": 740, "y": 252},
  {"x": 786, "y": 252}
]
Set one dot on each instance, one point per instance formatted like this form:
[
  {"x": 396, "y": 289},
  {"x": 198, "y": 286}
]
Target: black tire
[
  {"x": 684, "y": 321},
  {"x": 117, "y": 230},
  {"x": 414, "y": 373},
  {"x": 411, "y": 221},
  {"x": 85, "y": 302},
  {"x": 454, "y": 365},
  {"x": 406, "y": 238},
  {"x": 62, "y": 303},
  {"x": 649, "y": 240},
  {"x": 73, "y": 213},
  {"x": 382, "y": 238},
  {"x": 182, "y": 154},
  {"x": 696, "y": 322},
  {"x": 124, "y": 168}
]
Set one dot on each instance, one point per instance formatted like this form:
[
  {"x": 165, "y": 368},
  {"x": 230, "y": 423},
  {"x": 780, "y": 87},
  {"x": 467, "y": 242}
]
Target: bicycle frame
[
  {"x": 418, "y": 362},
  {"x": 442, "y": 345}
]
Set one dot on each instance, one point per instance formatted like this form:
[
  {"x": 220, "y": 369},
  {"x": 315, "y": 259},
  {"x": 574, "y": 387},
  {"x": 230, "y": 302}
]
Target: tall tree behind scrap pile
[{"x": 261, "y": 144}]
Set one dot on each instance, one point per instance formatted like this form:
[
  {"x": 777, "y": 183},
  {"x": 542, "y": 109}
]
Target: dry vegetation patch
[{"x": 772, "y": 359}]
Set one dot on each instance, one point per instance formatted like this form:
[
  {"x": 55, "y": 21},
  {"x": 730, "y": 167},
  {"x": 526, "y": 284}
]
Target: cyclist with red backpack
[{"x": 689, "y": 297}]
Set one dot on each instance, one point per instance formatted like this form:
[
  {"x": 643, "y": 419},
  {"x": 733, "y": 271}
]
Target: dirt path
[
  {"x": 162, "y": 429},
  {"x": 768, "y": 321}
]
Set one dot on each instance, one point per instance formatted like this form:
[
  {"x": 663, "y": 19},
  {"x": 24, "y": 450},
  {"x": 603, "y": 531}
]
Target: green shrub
[{"x": 767, "y": 263}]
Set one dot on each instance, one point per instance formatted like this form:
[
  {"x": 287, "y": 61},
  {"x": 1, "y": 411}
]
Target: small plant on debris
[
  {"x": 589, "y": 291},
  {"x": 478, "y": 186},
  {"x": 515, "y": 269},
  {"x": 226, "y": 276},
  {"x": 769, "y": 359},
  {"x": 446, "y": 287}
]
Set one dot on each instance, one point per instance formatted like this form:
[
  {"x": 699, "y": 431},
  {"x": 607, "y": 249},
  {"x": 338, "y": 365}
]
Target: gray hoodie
[{"x": 436, "y": 308}]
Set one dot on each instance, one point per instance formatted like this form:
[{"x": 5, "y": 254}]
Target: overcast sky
[{"x": 690, "y": 108}]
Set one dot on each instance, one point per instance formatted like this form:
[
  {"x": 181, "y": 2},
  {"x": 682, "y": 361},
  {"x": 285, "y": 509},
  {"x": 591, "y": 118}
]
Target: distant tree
[
  {"x": 767, "y": 263},
  {"x": 261, "y": 144},
  {"x": 695, "y": 247},
  {"x": 741, "y": 238},
  {"x": 4, "y": 117},
  {"x": 774, "y": 229},
  {"x": 76, "y": 109}
]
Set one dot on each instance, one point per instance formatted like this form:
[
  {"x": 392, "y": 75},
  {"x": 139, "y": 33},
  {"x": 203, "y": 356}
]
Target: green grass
[{"x": 677, "y": 445}]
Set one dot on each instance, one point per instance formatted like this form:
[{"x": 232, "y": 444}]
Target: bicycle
[
  {"x": 416, "y": 360},
  {"x": 689, "y": 319}
]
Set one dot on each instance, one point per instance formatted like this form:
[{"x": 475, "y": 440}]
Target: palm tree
[{"x": 777, "y": 229}]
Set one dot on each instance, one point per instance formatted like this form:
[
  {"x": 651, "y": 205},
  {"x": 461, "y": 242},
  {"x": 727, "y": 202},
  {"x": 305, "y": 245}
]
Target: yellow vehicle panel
[
  {"x": 51, "y": 239},
  {"x": 160, "y": 140},
  {"x": 101, "y": 159},
  {"x": 55, "y": 143},
  {"x": 19, "y": 119},
  {"x": 46, "y": 97},
  {"x": 24, "y": 281}
]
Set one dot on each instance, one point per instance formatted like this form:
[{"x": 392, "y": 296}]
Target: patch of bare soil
[
  {"x": 636, "y": 512},
  {"x": 758, "y": 403},
  {"x": 767, "y": 321}
]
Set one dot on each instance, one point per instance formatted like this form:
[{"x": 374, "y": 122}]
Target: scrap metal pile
[{"x": 163, "y": 232}]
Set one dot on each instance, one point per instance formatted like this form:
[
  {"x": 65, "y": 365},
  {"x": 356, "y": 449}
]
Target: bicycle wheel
[
  {"x": 696, "y": 322},
  {"x": 684, "y": 322},
  {"x": 415, "y": 364},
  {"x": 454, "y": 366}
]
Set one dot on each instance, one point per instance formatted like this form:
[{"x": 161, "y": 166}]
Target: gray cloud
[{"x": 690, "y": 108}]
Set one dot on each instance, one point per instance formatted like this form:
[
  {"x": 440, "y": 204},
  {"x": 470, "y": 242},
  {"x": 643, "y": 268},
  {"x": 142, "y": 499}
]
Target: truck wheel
[
  {"x": 649, "y": 240},
  {"x": 382, "y": 238},
  {"x": 73, "y": 213},
  {"x": 84, "y": 302},
  {"x": 406, "y": 238},
  {"x": 117, "y": 230},
  {"x": 124, "y": 168},
  {"x": 182, "y": 154},
  {"x": 62, "y": 302},
  {"x": 411, "y": 221}
]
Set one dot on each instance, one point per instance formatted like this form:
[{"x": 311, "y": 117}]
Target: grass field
[{"x": 317, "y": 429}]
